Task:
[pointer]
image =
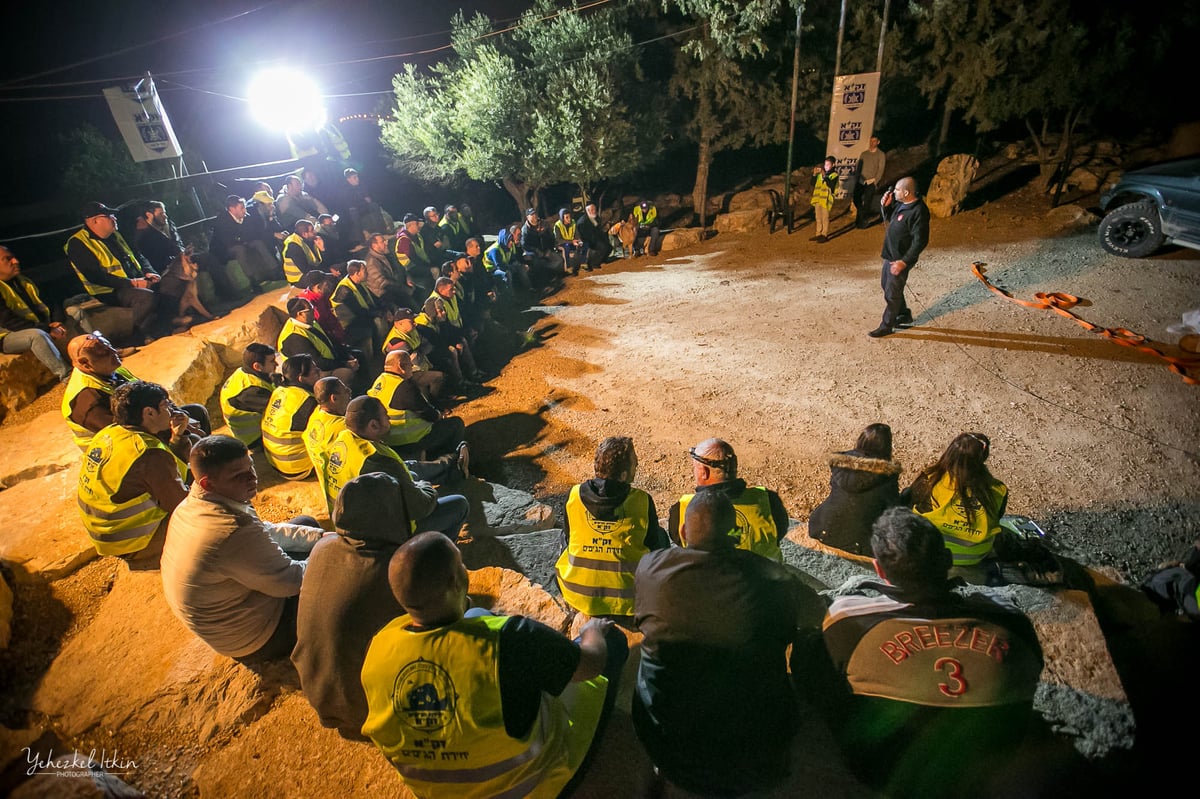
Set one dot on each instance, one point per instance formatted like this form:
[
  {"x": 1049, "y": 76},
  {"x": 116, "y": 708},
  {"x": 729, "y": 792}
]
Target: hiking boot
[{"x": 881, "y": 331}]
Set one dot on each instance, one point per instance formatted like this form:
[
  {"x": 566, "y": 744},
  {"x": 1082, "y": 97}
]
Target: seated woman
[
  {"x": 962, "y": 499},
  {"x": 863, "y": 483}
]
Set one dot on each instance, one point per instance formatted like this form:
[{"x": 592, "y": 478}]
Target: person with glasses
[{"x": 762, "y": 521}]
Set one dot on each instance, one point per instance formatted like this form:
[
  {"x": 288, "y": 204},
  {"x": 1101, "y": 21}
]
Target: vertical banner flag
[
  {"x": 851, "y": 123},
  {"x": 142, "y": 120}
]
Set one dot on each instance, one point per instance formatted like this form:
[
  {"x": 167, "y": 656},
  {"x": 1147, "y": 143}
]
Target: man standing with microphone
[{"x": 906, "y": 219}]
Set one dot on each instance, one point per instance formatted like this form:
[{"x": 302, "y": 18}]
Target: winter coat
[{"x": 860, "y": 490}]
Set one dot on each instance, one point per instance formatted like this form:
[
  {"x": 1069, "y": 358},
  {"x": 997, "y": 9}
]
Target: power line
[{"x": 131, "y": 48}]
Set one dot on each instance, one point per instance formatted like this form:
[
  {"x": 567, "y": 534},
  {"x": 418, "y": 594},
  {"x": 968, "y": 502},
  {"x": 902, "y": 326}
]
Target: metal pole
[
  {"x": 882, "y": 35},
  {"x": 837, "y": 61},
  {"x": 787, "y": 177}
]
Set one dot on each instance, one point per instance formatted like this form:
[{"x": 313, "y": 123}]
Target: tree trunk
[
  {"x": 944, "y": 132},
  {"x": 519, "y": 191},
  {"x": 1046, "y": 165},
  {"x": 704, "y": 158}
]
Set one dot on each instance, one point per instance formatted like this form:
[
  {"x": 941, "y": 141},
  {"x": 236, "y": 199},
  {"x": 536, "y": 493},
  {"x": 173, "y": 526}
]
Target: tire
[{"x": 1132, "y": 231}]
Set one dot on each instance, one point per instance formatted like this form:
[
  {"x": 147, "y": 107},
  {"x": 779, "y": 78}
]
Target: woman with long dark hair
[
  {"x": 961, "y": 497},
  {"x": 863, "y": 483}
]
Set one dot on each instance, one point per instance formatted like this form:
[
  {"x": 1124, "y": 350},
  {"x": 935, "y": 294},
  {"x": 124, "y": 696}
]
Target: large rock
[
  {"x": 1084, "y": 179},
  {"x": 509, "y": 593},
  {"x": 750, "y": 199},
  {"x": 741, "y": 221},
  {"x": 259, "y": 320},
  {"x": 1071, "y": 217},
  {"x": 136, "y": 666},
  {"x": 22, "y": 378},
  {"x": 951, "y": 184},
  {"x": 188, "y": 368},
  {"x": 682, "y": 237},
  {"x": 55, "y": 449},
  {"x": 287, "y": 753},
  {"x": 500, "y": 510},
  {"x": 47, "y": 537}
]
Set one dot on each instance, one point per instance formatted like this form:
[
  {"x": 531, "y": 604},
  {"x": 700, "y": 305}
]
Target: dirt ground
[{"x": 761, "y": 340}]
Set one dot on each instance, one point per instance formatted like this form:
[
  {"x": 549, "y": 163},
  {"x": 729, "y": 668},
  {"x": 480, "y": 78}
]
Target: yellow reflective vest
[
  {"x": 418, "y": 251},
  {"x": 107, "y": 260},
  {"x": 595, "y": 571},
  {"x": 314, "y": 333},
  {"x": 35, "y": 314},
  {"x": 969, "y": 540},
  {"x": 323, "y": 428},
  {"x": 407, "y": 426},
  {"x": 79, "y": 381},
  {"x": 434, "y": 710},
  {"x": 497, "y": 256},
  {"x": 359, "y": 302},
  {"x": 565, "y": 232},
  {"x": 451, "y": 305},
  {"x": 344, "y": 461},
  {"x": 292, "y": 270},
  {"x": 246, "y": 426},
  {"x": 118, "y": 528},
  {"x": 642, "y": 218},
  {"x": 283, "y": 443},
  {"x": 755, "y": 530},
  {"x": 824, "y": 189}
]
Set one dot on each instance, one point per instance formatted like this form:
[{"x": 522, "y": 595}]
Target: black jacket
[
  {"x": 860, "y": 490},
  {"x": 907, "y": 231}
]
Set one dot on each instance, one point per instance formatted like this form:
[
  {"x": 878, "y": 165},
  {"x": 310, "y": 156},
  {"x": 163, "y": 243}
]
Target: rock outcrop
[{"x": 951, "y": 184}]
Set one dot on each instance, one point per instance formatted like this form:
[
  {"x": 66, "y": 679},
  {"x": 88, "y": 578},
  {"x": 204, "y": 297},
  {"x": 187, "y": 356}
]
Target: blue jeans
[
  {"x": 40, "y": 344},
  {"x": 447, "y": 517}
]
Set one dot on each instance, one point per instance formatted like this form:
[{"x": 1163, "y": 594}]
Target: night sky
[{"x": 201, "y": 54}]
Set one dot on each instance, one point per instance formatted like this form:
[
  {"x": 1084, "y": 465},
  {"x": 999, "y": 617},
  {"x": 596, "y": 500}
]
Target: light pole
[{"x": 787, "y": 176}]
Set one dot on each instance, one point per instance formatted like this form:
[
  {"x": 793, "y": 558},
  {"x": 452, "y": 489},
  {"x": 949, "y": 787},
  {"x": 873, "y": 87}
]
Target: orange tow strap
[{"x": 1186, "y": 366}]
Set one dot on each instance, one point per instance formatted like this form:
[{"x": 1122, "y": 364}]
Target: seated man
[
  {"x": 302, "y": 334},
  {"x": 645, "y": 219},
  {"x": 227, "y": 574},
  {"x": 762, "y": 521},
  {"x": 87, "y": 401},
  {"x": 238, "y": 235},
  {"x": 537, "y": 246},
  {"x": 157, "y": 239},
  {"x": 361, "y": 449},
  {"x": 594, "y": 234},
  {"x": 110, "y": 271},
  {"x": 25, "y": 323},
  {"x": 247, "y": 392},
  {"x": 936, "y": 687},
  {"x": 491, "y": 690},
  {"x": 129, "y": 481},
  {"x": 357, "y": 310},
  {"x": 609, "y": 527},
  {"x": 405, "y": 334},
  {"x": 302, "y": 251},
  {"x": 718, "y": 622},
  {"x": 286, "y": 418},
  {"x": 327, "y": 420},
  {"x": 567, "y": 241},
  {"x": 345, "y": 599},
  {"x": 503, "y": 260},
  {"x": 418, "y": 429},
  {"x": 415, "y": 256}
]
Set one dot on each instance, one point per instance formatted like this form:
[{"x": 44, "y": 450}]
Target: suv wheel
[{"x": 1132, "y": 230}]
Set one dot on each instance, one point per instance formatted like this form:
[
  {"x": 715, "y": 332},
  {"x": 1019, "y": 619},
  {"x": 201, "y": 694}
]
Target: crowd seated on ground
[{"x": 355, "y": 608}]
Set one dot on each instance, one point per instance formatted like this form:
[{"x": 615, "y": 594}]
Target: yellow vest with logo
[
  {"x": 323, "y": 428},
  {"x": 282, "y": 444},
  {"x": 294, "y": 271},
  {"x": 420, "y": 362},
  {"x": 360, "y": 303},
  {"x": 107, "y": 260},
  {"x": 755, "y": 530},
  {"x": 646, "y": 217},
  {"x": 246, "y": 426},
  {"x": 595, "y": 571},
  {"x": 969, "y": 541},
  {"x": 35, "y": 314},
  {"x": 118, "y": 528},
  {"x": 418, "y": 251},
  {"x": 344, "y": 461},
  {"x": 407, "y": 426},
  {"x": 434, "y": 710},
  {"x": 79, "y": 381},
  {"x": 321, "y": 342}
]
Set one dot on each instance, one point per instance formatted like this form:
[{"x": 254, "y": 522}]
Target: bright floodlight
[{"x": 287, "y": 100}]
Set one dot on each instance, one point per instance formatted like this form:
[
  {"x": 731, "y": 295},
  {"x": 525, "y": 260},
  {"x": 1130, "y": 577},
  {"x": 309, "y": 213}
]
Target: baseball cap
[
  {"x": 412, "y": 218},
  {"x": 263, "y": 197},
  {"x": 96, "y": 209},
  {"x": 530, "y": 212},
  {"x": 312, "y": 278},
  {"x": 403, "y": 313},
  {"x": 348, "y": 171}
]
